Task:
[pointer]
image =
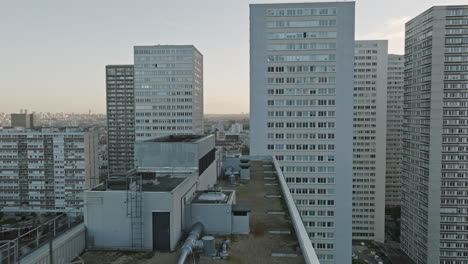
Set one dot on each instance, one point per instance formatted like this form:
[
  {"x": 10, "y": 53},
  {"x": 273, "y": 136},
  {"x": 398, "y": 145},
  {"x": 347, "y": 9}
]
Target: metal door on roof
[{"x": 161, "y": 231}]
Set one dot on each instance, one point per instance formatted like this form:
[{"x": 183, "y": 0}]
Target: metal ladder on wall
[{"x": 134, "y": 210}]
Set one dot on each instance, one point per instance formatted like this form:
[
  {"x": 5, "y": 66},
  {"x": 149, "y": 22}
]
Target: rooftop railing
[
  {"x": 11, "y": 251},
  {"x": 310, "y": 257}
]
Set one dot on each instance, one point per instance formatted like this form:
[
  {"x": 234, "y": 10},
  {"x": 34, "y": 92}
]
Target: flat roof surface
[
  {"x": 177, "y": 138},
  {"x": 161, "y": 184},
  {"x": 256, "y": 247}
]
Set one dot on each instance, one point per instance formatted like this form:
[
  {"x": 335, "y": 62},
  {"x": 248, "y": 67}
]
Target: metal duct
[{"x": 191, "y": 242}]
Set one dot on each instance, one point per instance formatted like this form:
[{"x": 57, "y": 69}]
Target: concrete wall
[
  {"x": 216, "y": 218},
  {"x": 208, "y": 178},
  {"x": 240, "y": 224},
  {"x": 65, "y": 248},
  {"x": 172, "y": 154},
  {"x": 166, "y": 154},
  {"x": 344, "y": 131},
  {"x": 232, "y": 162},
  {"x": 109, "y": 227}
]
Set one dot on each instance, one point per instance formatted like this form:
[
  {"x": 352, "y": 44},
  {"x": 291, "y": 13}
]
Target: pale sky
[{"x": 53, "y": 52}]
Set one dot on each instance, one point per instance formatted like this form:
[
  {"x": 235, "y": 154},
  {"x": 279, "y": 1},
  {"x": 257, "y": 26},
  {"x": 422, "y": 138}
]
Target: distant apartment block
[
  {"x": 120, "y": 119},
  {"x": 434, "y": 205},
  {"x": 23, "y": 120},
  {"x": 369, "y": 136},
  {"x": 301, "y": 110},
  {"x": 46, "y": 170},
  {"x": 395, "y": 77},
  {"x": 168, "y": 91}
]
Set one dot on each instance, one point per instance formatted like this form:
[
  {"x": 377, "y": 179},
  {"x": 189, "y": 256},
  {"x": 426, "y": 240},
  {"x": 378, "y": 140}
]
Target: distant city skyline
[{"x": 55, "y": 52}]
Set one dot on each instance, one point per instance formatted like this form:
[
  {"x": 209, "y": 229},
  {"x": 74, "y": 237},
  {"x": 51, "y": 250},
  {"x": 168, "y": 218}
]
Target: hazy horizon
[{"x": 55, "y": 52}]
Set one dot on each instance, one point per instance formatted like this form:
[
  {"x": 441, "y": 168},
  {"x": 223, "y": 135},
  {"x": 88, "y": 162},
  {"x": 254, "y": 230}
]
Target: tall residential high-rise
[
  {"x": 120, "y": 119},
  {"x": 395, "y": 75},
  {"x": 168, "y": 91},
  {"x": 369, "y": 136},
  {"x": 301, "y": 111},
  {"x": 46, "y": 170},
  {"x": 434, "y": 205}
]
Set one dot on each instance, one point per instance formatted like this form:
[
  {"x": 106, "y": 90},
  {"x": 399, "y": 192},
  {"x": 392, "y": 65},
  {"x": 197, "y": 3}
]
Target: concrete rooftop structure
[{"x": 272, "y": 238}]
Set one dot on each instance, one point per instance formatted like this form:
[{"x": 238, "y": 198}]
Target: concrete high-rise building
[
  {"x": 301, "y": 111},
  {"x": 120, "y": 119},
  {"x": 434, "y": 205},
  {"x": 369, "y": 136},
  {"x": 395, "y": 76},
  {"x": 168, "y": 91},
  {"x": 46, "y": 170},
  {"x": 22, "y": 119}
]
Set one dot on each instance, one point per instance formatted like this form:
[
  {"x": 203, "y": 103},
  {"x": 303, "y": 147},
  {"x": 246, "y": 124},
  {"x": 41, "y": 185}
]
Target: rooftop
[
  {"x": 272, "y": 237},
  {"x": 178, "y": 138},
  {"x": 151, "y": 183}
]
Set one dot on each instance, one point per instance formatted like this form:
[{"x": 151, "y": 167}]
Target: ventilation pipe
[
  {"x": 224, "y": 254},
  {"x": 191, "y": 242}
]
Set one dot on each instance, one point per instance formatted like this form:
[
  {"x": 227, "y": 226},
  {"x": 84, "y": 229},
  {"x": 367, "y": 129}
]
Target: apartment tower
[
  {"x": 120, "y": 119},
  {"x": 168, "y": 91},
  {"x": 369, "y": 139},
  {"x": 47, "y": 170},
  {"x": 301, "y": 111},
  {"x": 395, "y": 76},
  {"x": 434, "y": 220}
]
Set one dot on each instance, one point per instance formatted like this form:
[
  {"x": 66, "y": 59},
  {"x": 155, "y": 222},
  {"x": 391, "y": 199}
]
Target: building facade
[
  {"x": 301, "y": 111},
  {"x": 395, "y": 76},
  {"x": 46, "y": 170},
  {"x": 120, "y": 119},
  {"x": 168, "y": 91},
  {"x": 23, "y": 120},
  {"x": 369, "y": 136},
  {"x": 434, "y": 220}
]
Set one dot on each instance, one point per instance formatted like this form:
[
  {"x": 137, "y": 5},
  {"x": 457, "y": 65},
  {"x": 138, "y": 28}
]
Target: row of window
[
  {"x": 169, "y": 72},
  {"x": 308, "y": 169},
  {"x": 302, "y": 35},
  {"x": 322, "y": 102},
  {"x": 302, "y": 46},
  {"x": 301, "y": 11},
  {"x": 301, "y": 80},
  {"x": 301, "y": 91},
  {"x": 162, "y": 58},
  {"x": 164, "y": 121},
  {"x": 301, "y": 124},
  {"x": 326, "y": 213},
  {"x": 163, "y": 107},
  {"x": 301, "y": 113},
  {"x": 304, "y": 147},
  {"x": 162, "y": 51},
  {"x": 302, "y": 23},
  {"x": 300, "y": 136},
  {"x": 301, "y": 68},
  {"x": 164, "y": 79},
  {"x": 292, "y": 58},
  {"x": 163, "y": 128},
  {"x": 165, "y": 93},
  {"x": 312, "y": 180},
  {"x": 164, "y": 86},
  {"x": 163, "y": 100}
]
